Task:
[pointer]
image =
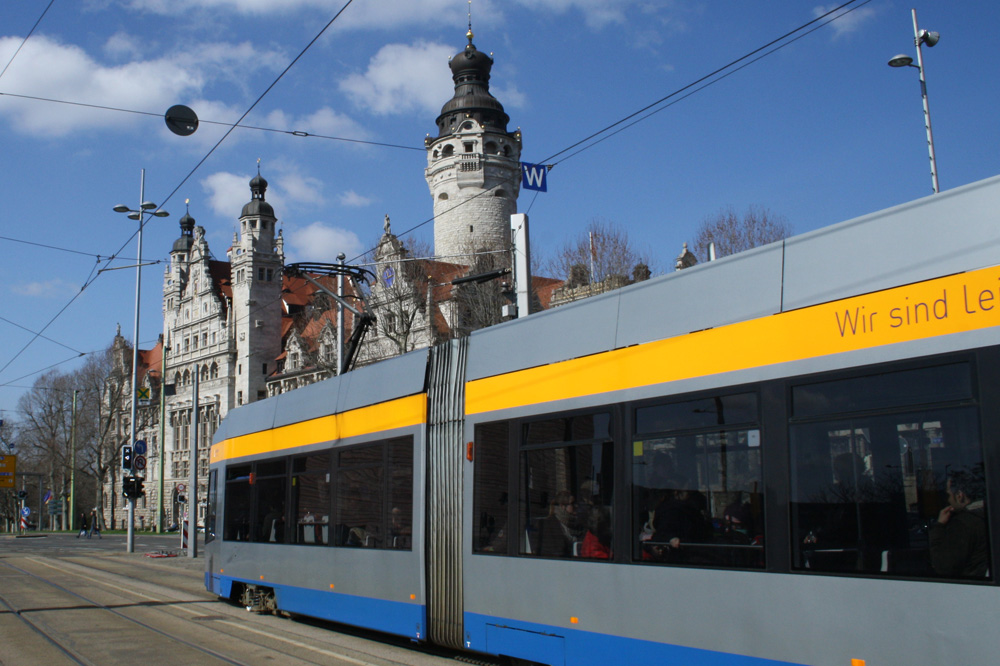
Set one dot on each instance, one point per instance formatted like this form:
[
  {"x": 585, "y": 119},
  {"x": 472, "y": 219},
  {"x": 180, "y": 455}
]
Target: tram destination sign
[{"x": 8, "y": 470}]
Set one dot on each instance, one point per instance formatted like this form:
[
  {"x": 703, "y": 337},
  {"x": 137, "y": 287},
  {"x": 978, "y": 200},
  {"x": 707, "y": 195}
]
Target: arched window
[
  {"x": 214, "y": 371},
  {"x": 187, "y": 377},
  {"x": 443, "y": 196},
  {"x": 499, "y": 193},
  {"x": 448, "y": 151},
  {"x": 204, "y": 373},
  {"x": 492, "y": 148}
]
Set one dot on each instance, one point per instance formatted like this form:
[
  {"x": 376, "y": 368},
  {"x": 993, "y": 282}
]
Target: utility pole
[
  {"x": 192, "y": 520},
  {"x": 72, "y": 468},
  {"x": 162, "y": 443}
]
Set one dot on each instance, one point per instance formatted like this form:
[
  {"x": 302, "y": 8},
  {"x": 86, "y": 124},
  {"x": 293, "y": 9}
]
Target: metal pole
[
  {"x": 193, "y": 475},
  {"x": 927, "y": 110},
  {"x": 72, "y": 468},
  {"x": 130, "y": 540},
  {"x": 340, "y": 315},
  {"x": 162, "y": 443}
]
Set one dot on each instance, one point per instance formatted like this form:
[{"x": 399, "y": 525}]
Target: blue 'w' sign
[{"x": 533, "y": 177}]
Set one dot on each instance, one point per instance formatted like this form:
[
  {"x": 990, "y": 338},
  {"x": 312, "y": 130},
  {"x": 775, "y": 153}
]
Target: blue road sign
[
  {"x": 25, "y": 511},
  {"x": 533, "y": 177},
  {"x": 140, "y": 447}
]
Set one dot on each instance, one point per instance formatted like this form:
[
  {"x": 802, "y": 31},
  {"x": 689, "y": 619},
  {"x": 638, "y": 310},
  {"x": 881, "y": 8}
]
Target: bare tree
[
  {"x": 732, "y": 233},
  {"x": 103, "y": 381},
  {"x": 603, "y": 245},
  {"x": 479, "y": 304},
  {"x": 44, "y": 432}
]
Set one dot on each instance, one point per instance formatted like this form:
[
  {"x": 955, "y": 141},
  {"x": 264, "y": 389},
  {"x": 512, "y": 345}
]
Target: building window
[{"x": 239, "y": 397}]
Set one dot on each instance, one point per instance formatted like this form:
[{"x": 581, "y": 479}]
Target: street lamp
[
  {"x": 144, "y": 207},
  {"x": 921, "y": 37}
]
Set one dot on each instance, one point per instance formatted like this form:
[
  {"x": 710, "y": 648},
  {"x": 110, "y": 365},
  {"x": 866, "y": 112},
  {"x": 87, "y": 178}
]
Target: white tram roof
[{"x": 951, "y": 232}]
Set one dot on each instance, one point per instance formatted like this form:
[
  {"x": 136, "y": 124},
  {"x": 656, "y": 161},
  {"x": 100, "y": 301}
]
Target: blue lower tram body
[{"x": 556, "y": 646}]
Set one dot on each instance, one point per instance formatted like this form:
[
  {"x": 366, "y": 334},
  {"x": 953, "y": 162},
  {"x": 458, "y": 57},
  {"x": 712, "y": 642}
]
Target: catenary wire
[
  {"x": 648, "y": 107},
  {"x": 92, "y": 276},
  {"x": 236, "y": 125},
  {"x": 30, "y": 32},
  {"x": 712, "y": 82}
]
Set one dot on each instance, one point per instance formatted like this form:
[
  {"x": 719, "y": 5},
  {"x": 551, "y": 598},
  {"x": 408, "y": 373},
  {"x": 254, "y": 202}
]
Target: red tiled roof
[{"x": 544, "y": 286}]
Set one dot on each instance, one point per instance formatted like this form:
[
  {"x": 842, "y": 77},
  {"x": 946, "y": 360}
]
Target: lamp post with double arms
[
  {"x": 144, "y": 208},
  {"x": 921, "y": 37}
]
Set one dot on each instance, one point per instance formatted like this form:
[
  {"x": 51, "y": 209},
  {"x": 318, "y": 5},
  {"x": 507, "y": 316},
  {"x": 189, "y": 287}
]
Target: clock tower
[{"x": 473, "y": 164}]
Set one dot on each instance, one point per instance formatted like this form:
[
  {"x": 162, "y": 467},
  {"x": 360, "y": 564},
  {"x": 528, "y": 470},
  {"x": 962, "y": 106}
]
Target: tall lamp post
[
  {"x": 144, "y": 207},
  {"x": 921, "y": 37}
]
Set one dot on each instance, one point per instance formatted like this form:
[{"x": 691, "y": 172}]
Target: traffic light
[
  {"x": 126, "y": 457},
  {"x": 181, "y": 498},
  {"x": 139, "y": 490},
  {"x": 21, "y": 494}
]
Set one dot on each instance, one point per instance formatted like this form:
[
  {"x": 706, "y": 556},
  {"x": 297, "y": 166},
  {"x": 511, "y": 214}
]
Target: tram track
[
  {"x": 179, "y": 600},
  {"x": 50, "y": 635}
]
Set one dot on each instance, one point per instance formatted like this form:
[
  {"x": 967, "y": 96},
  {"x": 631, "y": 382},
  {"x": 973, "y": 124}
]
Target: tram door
[{"x": 445, "y": 430}]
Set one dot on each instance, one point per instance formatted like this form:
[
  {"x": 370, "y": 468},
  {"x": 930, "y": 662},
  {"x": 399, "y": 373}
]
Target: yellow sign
[
  {"x": 8, "y": 469},
  {"x": 142, "y": 393},
  {"x": 951, "y": 304}
]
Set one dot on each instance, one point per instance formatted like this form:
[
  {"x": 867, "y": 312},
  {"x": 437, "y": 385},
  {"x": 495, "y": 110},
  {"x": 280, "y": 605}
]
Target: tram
[{"x": 786, "y": 456}]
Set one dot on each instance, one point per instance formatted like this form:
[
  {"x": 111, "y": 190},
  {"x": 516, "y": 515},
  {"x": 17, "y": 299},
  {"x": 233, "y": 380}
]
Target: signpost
[{"x": 8, "y": 469}]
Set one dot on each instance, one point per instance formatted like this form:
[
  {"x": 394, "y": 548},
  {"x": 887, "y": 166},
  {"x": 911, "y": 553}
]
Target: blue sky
[{"x": 819, "y": 131}]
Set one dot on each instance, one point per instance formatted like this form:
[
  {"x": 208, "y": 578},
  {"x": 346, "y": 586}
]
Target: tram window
[
  {"x": 270, "y": 483},
  {"x": 867, "y": 491},
  {"x": 490, "y": 494},
  {"x": 890, "y": 390},
  {"x": 701, "y": 413},
  {"x": 697, "y": 498},
  {"x": 239, "y": 502},
  {"x": 311, "y": 499},
  {"x": 213, "y": 499},
  {"x": 566, "y": 487},
  {"x": 401, "y": 494},
  {"x": 360, "y": 497}
]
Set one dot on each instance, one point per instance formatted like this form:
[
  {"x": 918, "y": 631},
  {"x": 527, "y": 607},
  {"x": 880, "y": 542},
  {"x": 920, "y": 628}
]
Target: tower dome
[
  {"x": 183, "y": 244},
  {"x": 257, "y": 205},
  {"x": 470, "y": 70}
]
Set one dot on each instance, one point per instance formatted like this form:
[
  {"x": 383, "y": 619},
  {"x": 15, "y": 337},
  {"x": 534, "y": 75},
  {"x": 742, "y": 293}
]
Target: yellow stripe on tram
[
  {"x": 400, "y": 413},
  {"x": 952, "y": 304}
]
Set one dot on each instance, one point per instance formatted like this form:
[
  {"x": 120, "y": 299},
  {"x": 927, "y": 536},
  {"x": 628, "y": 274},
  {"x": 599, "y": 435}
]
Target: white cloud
[
  {"x": 46, "y": 68},
  {"x": 847, "y": 22},
  {"x": 227, "y": 192},
  {"x": 122, "y": 45},
  {"x": 596, "y": 13},
  {"x": 325, "y": 121},
  {"x": 50, "y": 69},
  {"x": 287, "y": 188},
  {"x": 366, "y": 14},
  {"x": 55, "y": 288},
  {"x": 402, "y": 79},
  {"x": 297, "y": 188},
  {"x": 320, "y": 242},
  {"x": 352, "y": 199}
]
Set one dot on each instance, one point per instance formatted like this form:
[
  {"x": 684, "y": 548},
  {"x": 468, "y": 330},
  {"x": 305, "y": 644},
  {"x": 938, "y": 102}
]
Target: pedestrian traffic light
[{"x": 126, "y": 457}]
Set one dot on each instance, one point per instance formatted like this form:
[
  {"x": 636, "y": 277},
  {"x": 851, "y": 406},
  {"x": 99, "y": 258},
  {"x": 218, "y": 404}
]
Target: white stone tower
[
  {"x": 473, "y": 165},
  {"x": 256, "y": 262}
]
